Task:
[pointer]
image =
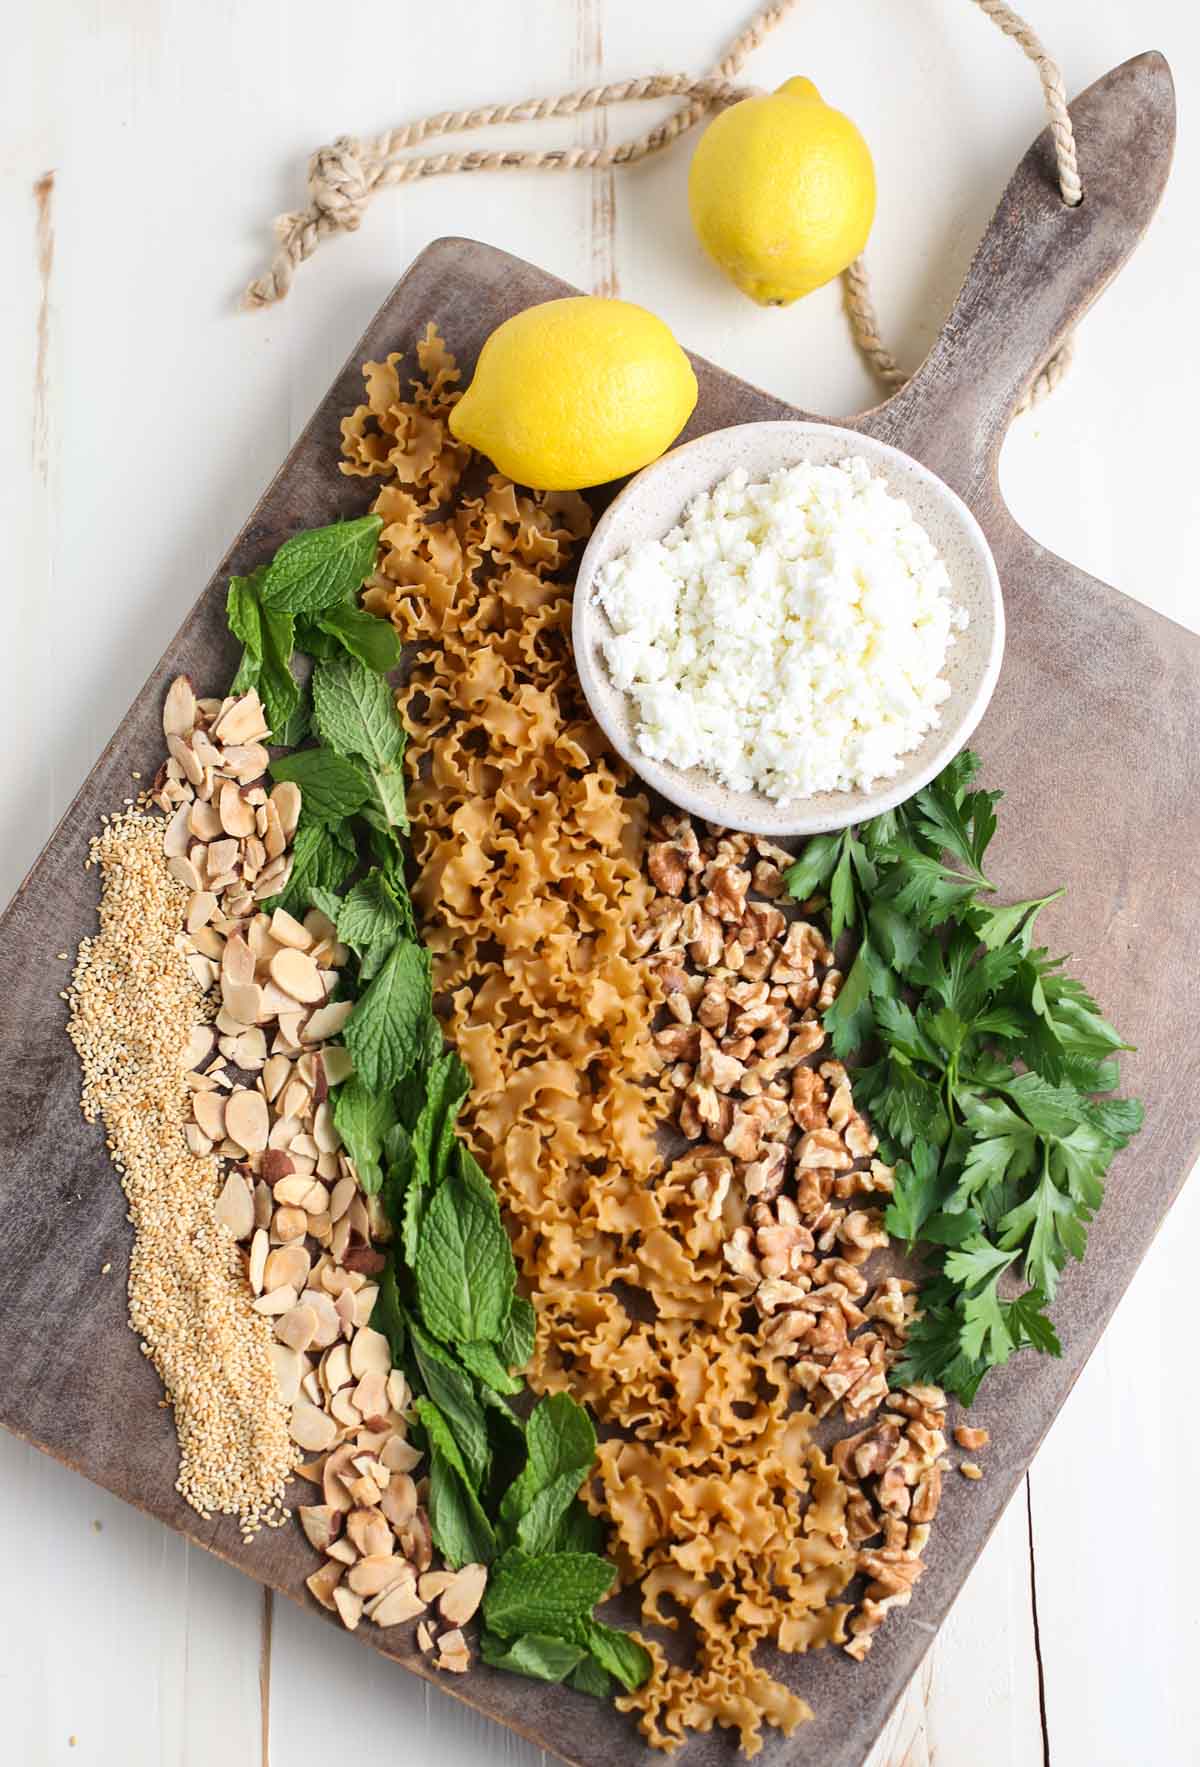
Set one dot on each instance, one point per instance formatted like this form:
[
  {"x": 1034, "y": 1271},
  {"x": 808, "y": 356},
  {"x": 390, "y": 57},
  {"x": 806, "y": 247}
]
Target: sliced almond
[
  {"x": 337, "y": 1064},
  {"x": 235, "y": 1207},
  {"x": 287, "y": 1372},
  {"x": 343, "y": 1306},
  {"x": 277, "y": 1303},
  {"x": 179, "y": 708},
  {"x": 305, "y": 1146},
  {"x": 349, "y": 1607},
  {"x": 264, "y": 1208},
  {"x": 246, "y": 1119},
  {"x": 243, "y": 1002},
  {"x": 462, "y": 1598},
  {"x": 371, "y": 1576},
  {"x": 424, "y": 1636},
  {"x": 364, "y": 1306},
  {"x": 370, "y": 1533},
  {"x": 200, "y": 910},
  {"x": 289, "y": 1224},
  {"x": 293, "y": 1189},
  {"x": 327, "y": 1021},
  {"x": 284, "y": 1131},
  {"x": 334, "y": 1486},
  {"x": 287, "y": 1267},
  {"x": 335, "y": 1369},
  {"x": 246, "y": 761},
  {"x": 287, "y": 930},
  {"x": 297, "y": 1327},
  {"x": 275, "y": 1075},
  {"x": 250, "y": 1050},
  {"x": 271, "y": 832},
  {"x": 370, "y": 1353},
  {"x": 197, "y": 1140},
  {"x": 237, "y": 962},
  {"x": 454, "y": 1644},
  {"x": 208, "y": 1108},
  {"x": 399, "y": 1501},
  {"x": 222, "y": 861},
  {"x": 324, "y": 1582},
  {"x": 260, "y": 1247},
  {"x": 343, "y": 1195},
  {"x": 342, "y": 1407},
  {"x": 286, "y": 798},
  {"x": 297, "y": 975},
  {"x": 311, "y": 1429},
  {"x": 328, "y": 1324},
  {"x": 184, "y": 871},
  {"x": 181, "y": 752},
  {"x": 203, "y": 821},
  {"x": 199, "y": 1046},
  {"x": 397, "y": 1606},
  {"x": 433, "y": 1583},
  {"x": 321, "y": 1524},
  {"x": 208, "y": 942},
  {"x": 237, "y": 816},
  {"x": 243, "y": 722},
  {"x": 295, "y": 1100}
]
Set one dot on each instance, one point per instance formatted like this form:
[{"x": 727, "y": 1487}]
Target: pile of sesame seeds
[{"x": 132, "y": 1003}]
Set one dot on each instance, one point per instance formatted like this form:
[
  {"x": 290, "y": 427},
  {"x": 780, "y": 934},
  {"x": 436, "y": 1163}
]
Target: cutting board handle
[{"x": 1039, "y": 267}]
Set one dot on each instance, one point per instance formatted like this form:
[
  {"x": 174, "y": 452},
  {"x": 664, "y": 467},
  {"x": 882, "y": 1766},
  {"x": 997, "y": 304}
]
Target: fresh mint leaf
[
  {"x": 385, "y": 1033},
  {"x": 590, "y": 1678},
  {"x": 317, "y": 569},
  {"x": 243, "y": 616},
  {"x": 461, "y": 1530},
  {"x": 332, "y": 789},
  {"x": 483, "y": 1362},
  {"x": 293, "y": 731},
  {"x": 553, "y": 1593},
  {"x": 618, "y": 1653},
  {"x": 322, "y": 858},
  {"x": 451, "y": 1389},
  {"x": 363, "y": 1118},
  {"x": 518, "y": 1333},
  {"x": 464, "y": 1267},
  {"x": 447, "y": 1084},
  {"x": 561, "y": 1447},
  {"x": 356, "y": 715},
  {"x": 371, "y": 917},
  {"x": 536, "y": 1655},
  {"x": 372, "y": 640},
  {"x": 387, "y": 1315}
]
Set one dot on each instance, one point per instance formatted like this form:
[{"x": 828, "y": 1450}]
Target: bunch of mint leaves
[
  {"x": 503, "y": 1487},
  {"x": 981, "y": 1065}
]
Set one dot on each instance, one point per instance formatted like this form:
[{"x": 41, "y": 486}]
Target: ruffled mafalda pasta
[{"x": 530, "y": 842}]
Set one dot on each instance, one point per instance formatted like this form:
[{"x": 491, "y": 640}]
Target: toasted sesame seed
[{"x": 132, "y": 1000}]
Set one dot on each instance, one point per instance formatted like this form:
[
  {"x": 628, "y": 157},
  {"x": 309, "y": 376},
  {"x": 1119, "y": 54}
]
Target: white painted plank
[
  {"x": 975, "y": 1697},
  {"x": 117, "y": 1633}
]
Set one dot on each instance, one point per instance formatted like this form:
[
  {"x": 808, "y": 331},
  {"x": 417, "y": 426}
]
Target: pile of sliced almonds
[{"x": 291, "y": 1197}]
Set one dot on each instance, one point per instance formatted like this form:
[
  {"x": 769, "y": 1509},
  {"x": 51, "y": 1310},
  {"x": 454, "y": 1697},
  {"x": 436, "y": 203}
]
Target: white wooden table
[{"x": 144, "y": 414}]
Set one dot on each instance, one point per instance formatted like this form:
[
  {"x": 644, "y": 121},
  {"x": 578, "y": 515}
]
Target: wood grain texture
[{"x": 1079, "y": 660}]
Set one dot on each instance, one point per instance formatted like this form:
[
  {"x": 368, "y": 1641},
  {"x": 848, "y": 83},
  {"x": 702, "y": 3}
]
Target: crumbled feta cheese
[{"x": 787, "y": 636}]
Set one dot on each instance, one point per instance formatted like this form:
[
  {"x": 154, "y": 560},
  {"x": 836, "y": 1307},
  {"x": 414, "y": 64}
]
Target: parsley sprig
[{"x": 983, "y": 1064}]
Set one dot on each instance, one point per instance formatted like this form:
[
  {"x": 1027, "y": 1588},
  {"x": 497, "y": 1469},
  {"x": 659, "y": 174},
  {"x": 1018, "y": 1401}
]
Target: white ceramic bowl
[{"x": 653, "y": 502}]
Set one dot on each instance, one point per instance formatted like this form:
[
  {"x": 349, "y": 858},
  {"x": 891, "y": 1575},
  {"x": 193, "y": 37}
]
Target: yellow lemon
[
  {"x": 782, "y": 193},
  {"x": 575, "y": 392}
]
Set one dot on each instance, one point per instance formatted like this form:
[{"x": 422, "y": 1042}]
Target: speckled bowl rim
[{"x": 636, "y": 513}]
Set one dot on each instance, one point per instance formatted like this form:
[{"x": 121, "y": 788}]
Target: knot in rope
[{"x": 338, "y": 186}]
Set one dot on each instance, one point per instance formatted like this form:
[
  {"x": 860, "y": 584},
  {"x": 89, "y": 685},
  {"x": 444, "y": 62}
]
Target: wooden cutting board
[{"x": 1093, "y": 734}]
